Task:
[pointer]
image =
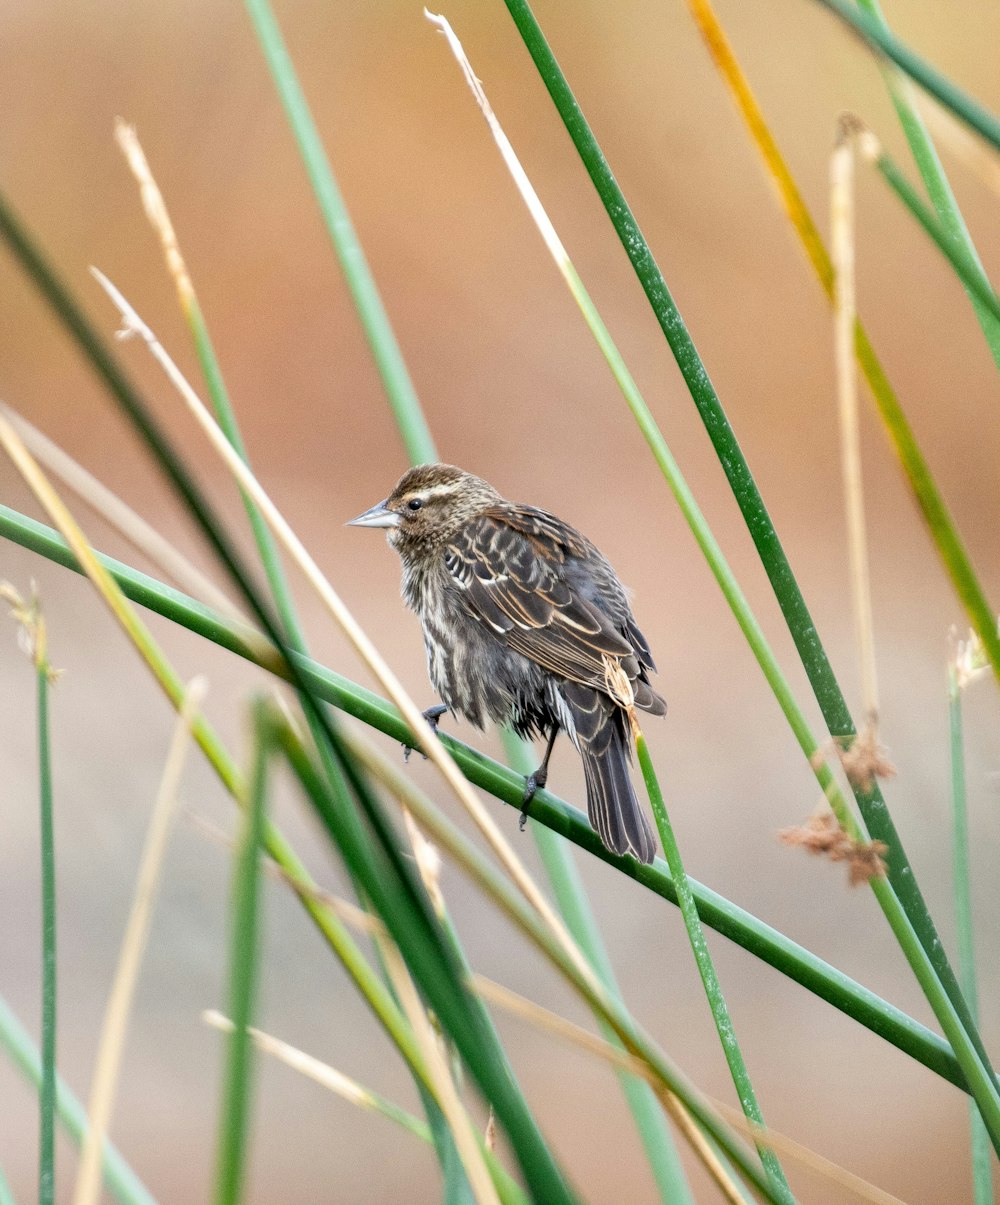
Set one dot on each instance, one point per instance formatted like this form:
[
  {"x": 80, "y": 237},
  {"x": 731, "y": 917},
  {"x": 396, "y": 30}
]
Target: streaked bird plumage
[{"x": 525, "y": 623}]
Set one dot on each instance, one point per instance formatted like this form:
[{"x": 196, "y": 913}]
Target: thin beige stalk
[
  {"x": 427, "y": 859},
  {"x": 156, "y": 210},
  {"x": 466, "y": 1141},
  {"x": 520, "y": 176},
  {"x": 140, "y": 534},
  {"x": 550, "y": 1022},
  {"x": 845, "y": 319},
  {"x": 357, "y": 918},
  {"x": 363, "y": 645},
  {"x": 312, "y": 1068},
  {"x": 113, "y": 1031},
  {"x": 543, "y": 1018},
  {"x": 71, "y": 532}
]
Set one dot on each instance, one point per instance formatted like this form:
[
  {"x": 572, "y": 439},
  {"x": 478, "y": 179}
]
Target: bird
[{"x": 525, "y": 623}]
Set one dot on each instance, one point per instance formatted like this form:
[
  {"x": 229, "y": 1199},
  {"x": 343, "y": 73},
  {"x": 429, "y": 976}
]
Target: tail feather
[
  {"x": 612, "y": 805},
  {"x": 597, "y": 727}
]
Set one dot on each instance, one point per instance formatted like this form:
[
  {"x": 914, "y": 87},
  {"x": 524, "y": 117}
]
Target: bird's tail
[{"x": 615, "y": 812}]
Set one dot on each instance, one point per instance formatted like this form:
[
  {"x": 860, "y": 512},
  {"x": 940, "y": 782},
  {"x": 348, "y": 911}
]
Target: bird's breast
[{"x": 473, "y": 670}]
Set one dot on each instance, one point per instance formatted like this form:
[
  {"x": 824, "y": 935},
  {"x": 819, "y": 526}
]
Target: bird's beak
[{"x": 378, "y": 516}]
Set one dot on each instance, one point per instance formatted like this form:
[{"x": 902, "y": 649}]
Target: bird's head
[{"x": 429, "y": 504}]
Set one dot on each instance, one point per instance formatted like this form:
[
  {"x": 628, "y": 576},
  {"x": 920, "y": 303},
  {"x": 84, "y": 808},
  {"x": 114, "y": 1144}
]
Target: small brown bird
[{"x": 525, "y": 623}]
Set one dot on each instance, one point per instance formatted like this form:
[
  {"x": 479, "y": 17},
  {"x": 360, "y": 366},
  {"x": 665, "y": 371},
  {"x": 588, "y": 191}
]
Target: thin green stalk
[
  {"x": 47, "y": 1098},
  {"x": 574, "y": 907},
  {"x": 392, "y": 368},
  {"x": 706, "y": 969},
  {"x": 982, "y": 1171},
  {"x": 717, "y": 912},
  {"x": 6, "y": 1195},
  {"x": 243, "y": 973},
  {"x": 982, "y": 1084},
  {"x": 941, "y": 526},
  {"x": 966, "y": 264},
  {"x": 773, "y": 558},
  {"x": 939, "y": 190},
  {"x": 402, "y": 1117},
  {"x": 506, "y": 896},
  {"x": 119, "y": 1179},
  {"x": 879, "y": 38},
  {"x": 456, "y": 1183}
]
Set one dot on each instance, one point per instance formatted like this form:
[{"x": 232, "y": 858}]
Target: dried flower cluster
[
  {"x": 31, "y": 627},
  {"x": 821, "y": 834},
  {"x": 863, "y": 757}
]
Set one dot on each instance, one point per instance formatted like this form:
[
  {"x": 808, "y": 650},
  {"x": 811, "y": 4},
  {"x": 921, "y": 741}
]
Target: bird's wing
[{"x": 506, "y": 564}]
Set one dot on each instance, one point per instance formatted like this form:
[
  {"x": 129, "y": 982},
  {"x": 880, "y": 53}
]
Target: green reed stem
[
  {"x": 871, "y": 30},
  {"x": 966, "y": 264},
  {"x": 119, "y": 1179},
  {"x": 982, "y": 1171},
  {"x": 942, "y": 197},
  {"x": 47, "y": 1098},
  {"x": 956, "y": 1024},
  {"x": 706, "y": 969},
  {"x": 574, "y": 907},
  {"x": 364, "y": 292},
  {"x": 243, "y": 973}
]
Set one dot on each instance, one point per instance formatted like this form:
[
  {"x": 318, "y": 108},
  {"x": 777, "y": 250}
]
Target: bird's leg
[
  {"x": 538, "y": 779},
  {"x": 432, "y": 715}
]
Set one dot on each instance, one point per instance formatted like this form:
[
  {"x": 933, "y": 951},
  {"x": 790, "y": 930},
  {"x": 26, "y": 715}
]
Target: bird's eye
[{"x": 415, "y": 503}]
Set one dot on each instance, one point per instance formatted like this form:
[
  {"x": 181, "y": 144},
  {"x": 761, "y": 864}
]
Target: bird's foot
[
  {"x": 433, "y": 716},
  {"x": 532, "y": 783}
]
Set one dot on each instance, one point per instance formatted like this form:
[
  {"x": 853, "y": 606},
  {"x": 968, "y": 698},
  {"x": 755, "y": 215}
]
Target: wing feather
[{"x": 506, "y": 564}]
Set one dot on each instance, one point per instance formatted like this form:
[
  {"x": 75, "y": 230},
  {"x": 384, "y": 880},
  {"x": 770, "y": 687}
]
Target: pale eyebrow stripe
[{"x": 437, "y": 491}]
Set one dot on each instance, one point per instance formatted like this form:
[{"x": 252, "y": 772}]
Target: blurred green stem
[
  {"x": 982, "y": 1172},
  {"x": 243, "y": 973},
  {"x": 942, "y": 197},
  {"x": 47, "y": 1099},
  {"x": 706, "y": 969},
  {"x": 574, "y": 907},
  {"x": 364, "y": 292},
  {"x": 120, "y": 1180},
  {"x": 964, "y": 260},
  {"x": 879, "y": 38}
]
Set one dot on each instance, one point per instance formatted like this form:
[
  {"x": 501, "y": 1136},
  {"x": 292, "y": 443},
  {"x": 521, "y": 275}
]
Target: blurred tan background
[{"x": 515, "y": 390}]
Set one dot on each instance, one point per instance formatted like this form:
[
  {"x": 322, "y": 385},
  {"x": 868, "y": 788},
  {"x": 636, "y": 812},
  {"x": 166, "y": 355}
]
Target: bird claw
[
  {"x": 531, "y": 784},
  {"x": 433, "y": 717}
]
